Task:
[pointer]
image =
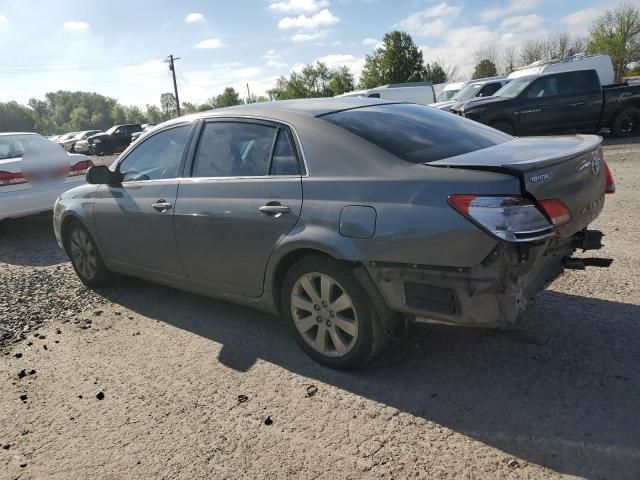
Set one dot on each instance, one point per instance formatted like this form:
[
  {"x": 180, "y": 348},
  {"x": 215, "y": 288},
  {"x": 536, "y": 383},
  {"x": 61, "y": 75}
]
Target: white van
[
  {"x": 414, "y": 92},
  {"x": 600, "y": 63}
]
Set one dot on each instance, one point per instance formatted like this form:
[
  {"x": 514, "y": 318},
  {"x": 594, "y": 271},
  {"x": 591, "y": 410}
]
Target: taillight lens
[
  {"x": 611, "y": 185},
  {"x": 11, "y": 178},
  {"x": 80, "y": 168},
  {"x": 510, "y": 218},
  {"x": 557, "y": 212}
]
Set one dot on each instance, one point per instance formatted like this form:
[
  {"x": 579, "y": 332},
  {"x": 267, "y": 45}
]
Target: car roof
[
  {"x": 2, "y": 134},
  {"x": 282, "y": 109}
]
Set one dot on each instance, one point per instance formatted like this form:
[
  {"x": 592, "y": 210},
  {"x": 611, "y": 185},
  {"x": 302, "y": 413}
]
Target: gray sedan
[{"x": 349, "y": 217}]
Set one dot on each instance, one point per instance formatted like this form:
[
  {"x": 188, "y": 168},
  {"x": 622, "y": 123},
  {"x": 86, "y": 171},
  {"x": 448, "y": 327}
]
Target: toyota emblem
[{"x": 595, "y": 163}]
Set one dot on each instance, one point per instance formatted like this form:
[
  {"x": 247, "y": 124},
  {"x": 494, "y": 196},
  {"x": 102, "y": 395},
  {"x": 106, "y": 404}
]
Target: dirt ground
[{"x": 139, "y": 381}]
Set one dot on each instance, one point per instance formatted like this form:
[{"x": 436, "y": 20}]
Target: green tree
[
  {"x": 153, "y": 114},
  {"x": 228, "y": 98},
  {"x": 434, "y": 73},
  {"x": 16, "y": 118},
  {"x": 341, "y": 81},
  {"x": 135, "y": 115},
  {"x": 118, "y": 114},
  {"x": 398, "y": 60},
  {"x": 486, "y": 68},
  {"x": 80, "y": 119},
  {"x": 168, "y": 105},
  {"x": 617, "y": 33}
]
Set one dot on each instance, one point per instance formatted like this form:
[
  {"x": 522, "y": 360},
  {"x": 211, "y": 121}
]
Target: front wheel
[
  {"x": 330, "y": 313},
  {"x": 85, "y": 257},
  {"x": 627, "y": 123}
]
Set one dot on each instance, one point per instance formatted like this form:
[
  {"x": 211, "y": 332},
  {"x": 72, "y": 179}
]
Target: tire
[
  {"x": 505, "y": 127},
  {"x": 626, "y": 123},
  {"x": 85, "y": 257},
  {"x": 352, "y": 331}
]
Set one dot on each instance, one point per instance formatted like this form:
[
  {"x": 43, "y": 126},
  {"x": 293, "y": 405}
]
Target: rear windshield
[
  {"x": 417, "y": 133},
  {"x": 15, "y": 146}
]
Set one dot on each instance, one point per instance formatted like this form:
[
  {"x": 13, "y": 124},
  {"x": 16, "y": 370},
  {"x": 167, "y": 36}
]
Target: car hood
[
  {"x": 477, "y": 102},
  {"x": 441, "y": 105},
  {"x": 98, "y": 135}
]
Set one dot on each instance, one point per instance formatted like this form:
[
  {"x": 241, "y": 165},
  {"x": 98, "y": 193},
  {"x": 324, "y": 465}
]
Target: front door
[
  {"x": 134, "y": 220},
  {"x": 244, "y": 195}
]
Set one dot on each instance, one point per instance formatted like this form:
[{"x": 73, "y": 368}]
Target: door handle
[
  {"x": 274, "y": 209},
  {"x": 162, "y": 205}
]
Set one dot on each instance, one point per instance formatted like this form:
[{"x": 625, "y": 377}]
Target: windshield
[
  {"x": 446, "y": 95},
  {"x": 14, "y": 146},
  {"x": 111, "y": 130},
  {"x": 513, "y": 89},
  {"x": 417, "y": 133},
  {"x": 67, "y": 136},
  {"x": 467, "y": 92}
]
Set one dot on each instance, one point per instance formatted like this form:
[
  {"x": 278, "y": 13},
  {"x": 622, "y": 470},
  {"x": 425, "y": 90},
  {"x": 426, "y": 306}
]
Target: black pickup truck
[{"x": 566, "y": 102}]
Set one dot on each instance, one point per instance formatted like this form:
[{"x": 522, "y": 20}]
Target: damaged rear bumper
[{"x": 490, "y": 294}]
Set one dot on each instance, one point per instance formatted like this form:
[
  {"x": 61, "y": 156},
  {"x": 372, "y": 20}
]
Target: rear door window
[
  {"x": 234, "y": 149},
  {"x": 284, "y": 160},
  {"x": 416, "y": 133}
]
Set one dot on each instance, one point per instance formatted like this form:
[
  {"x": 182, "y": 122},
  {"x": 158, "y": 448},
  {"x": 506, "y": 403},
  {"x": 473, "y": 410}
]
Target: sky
[{"x": 118, "y": 48}]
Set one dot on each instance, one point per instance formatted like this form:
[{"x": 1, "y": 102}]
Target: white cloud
[
  {"x": 298, "y": 6},
  {"x": 247, "y": 72},
  {"x": 369, "y": 42},
  {"x": 523, "y": 23},
  {"x": 430, "y": 22},
  {"x": 76, "y": 26},
  {"x": 3, "y": 19},
  {"x": 321, "y": 19},
  {"x": 210, "y": 43},
  {"x": 194, "y": 17},
  {"x": 276, "y": 64},
  {"x": 355, "y": 64},
  {"x": 309, "y": 37},
  {"x": 512, "y": 7},
  {"x": 579, "y": 21}
]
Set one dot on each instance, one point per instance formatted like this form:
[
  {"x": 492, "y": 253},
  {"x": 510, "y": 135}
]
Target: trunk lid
[{"x": 570, "y": 169}]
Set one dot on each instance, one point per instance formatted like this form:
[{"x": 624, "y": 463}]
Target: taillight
[
  {"x": 557, "y": 212},
  {"x": 510, "y": 218},
  {"x": 80, "y": 168},
  {"x": 611, "y": 185},
  {"x": 11, "y": 178}
]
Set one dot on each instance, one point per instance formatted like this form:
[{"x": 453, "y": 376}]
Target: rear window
[{"x": 416, "y": 133}]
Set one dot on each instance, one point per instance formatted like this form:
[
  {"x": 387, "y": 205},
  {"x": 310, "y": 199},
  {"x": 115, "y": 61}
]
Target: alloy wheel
[
  {"x": 83, "y": 253},
  {"x": 324, "y": 314}
]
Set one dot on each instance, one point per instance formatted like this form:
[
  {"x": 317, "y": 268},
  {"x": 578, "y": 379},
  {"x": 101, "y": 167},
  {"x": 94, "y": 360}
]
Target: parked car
[
  {"x": 116, "y": 139},
  {"x": 145, "y": 128},
  {"x": 33, "y": 172},
  {"x": 482, "y": 87},
  {"x": 566, "y": 102},
  {"x": 414, "y": 92},
  {"x": 449, "y": 90},
  {"x": 70, "y": 143},
  {"x": 346, "y": 216}
]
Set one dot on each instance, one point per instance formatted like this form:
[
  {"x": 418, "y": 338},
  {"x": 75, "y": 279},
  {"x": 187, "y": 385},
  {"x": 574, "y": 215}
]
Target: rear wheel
[
  {"x": 330, "y": 313},
  {"x": 627, "y": 123},
  {"x": 504, "y": 127},
  {"x": 85, "y": 257}
]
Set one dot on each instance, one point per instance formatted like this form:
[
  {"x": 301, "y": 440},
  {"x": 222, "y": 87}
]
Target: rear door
[
  {"x": 582, "y": 88},
  {"x": 134, "y": 219},
  {"x": 244, "y": 195}
]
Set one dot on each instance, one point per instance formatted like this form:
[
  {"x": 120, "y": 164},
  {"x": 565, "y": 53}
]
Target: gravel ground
[{"x": 141, "y": 381}]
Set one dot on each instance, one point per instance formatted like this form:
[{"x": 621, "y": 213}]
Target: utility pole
[
  {"x": 248, "y": 94},
  {"x": 172, "y": 69}
]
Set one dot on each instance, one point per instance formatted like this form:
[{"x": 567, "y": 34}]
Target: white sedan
[{"x": 33, "y": 172}]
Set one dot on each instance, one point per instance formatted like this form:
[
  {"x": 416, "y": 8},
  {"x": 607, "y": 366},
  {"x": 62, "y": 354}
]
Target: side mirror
[{"x": 101, "y": 175}]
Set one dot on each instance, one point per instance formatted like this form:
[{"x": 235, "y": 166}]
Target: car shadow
[
  {"x": 610, "y": 140},
  {"x": 30, "y": 242},
  {"x": 561, "y": 391}
]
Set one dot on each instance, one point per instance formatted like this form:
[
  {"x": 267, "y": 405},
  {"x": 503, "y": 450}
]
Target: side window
[
  {"x": 543, "y": 87},
  {"x": 584, "y": 81},
  {"x": 157, "y": 157},
  {"x": 374, "y": 95},
  {"x": 490, "y": 89},
  {"x": 234, "y": 149},
  {"x": 284, "y": 159}
]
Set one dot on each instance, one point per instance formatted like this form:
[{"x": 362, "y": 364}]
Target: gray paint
[{"x": 216, "y": 242}]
